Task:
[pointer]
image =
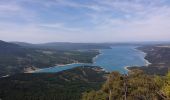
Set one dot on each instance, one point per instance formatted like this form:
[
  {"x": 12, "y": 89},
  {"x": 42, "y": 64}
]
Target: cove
[{"x": 115, "y": 59}]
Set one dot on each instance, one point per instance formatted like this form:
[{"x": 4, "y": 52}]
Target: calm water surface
[{"x": 115, "y": 59}]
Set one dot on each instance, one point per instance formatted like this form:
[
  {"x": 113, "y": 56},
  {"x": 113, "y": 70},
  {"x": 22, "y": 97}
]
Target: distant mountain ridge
[
  {"x": 78, "y": 46},
  {"x": 6, "y": 45},
  {"x": 7, "y": 48},
  {"x": 15, "y": 58},
  {"x": 65, "y": 45}
]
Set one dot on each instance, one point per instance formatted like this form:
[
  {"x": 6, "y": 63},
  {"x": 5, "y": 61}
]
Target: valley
[{"x": 93, "y": 74}]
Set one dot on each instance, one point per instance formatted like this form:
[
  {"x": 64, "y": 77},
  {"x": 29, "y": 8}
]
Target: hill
[
  {"x": 17, "y": 59},
  {"x": 10, "y": 48},
  {"x": 66, "y": 45},
  {"x": 10, "y": 57},
  {"x": 158, "y": 56},
  {"x": 65, "y": 85},
  {"x": 85, "y": 83},
  {"x": 134, "y": 86}
]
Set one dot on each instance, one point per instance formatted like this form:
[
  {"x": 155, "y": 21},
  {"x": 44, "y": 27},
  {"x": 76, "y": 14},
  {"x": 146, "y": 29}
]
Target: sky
[{"x": 40, "y": 21}]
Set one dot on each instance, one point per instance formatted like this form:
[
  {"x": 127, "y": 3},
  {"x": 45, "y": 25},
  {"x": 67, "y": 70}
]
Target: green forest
[
  {"x": 134, "y": 86},
  {"x": 15, "y": 59},
  {"x": 65, "y": 85},
  {"x": 86, "y": 83}
]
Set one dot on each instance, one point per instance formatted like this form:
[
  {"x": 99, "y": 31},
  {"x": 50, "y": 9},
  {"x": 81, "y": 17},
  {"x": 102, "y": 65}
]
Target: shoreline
[
  {"x": 30, "y": 69},
  {"x": 4, "y": 76},
  {"x": 62, "y": 65},
  {"x": 100, "y": 53},
  {"x": 126, "y": 68},
  {"x": 147, "y": 63},
  {"x": 39, "y": 69},
  {"x": 35, "y": 69},
  {"x": 94, "y": 58}
]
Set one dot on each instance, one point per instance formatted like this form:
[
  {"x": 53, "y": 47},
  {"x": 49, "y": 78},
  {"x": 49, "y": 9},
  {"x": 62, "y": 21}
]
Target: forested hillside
[
  {"x": 158, "y": 56},
  {"x": 16, "y": 59},
  {"x": 134, "y": 86},
  {"x": 65, "y": 85},
  {"x": 85, "y": 83}
]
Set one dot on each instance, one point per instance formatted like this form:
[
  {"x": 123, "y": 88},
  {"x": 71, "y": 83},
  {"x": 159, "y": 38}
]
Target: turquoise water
[
  {"x": 114, "y": 59},
  {"x": 119, "y": 57},
  {"x": 60, "y": 68}
]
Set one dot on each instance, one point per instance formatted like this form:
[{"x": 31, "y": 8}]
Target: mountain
[
  {"x": 11, "y": 49},
  {"x": 15, "y": 58},
  {"x": 11, "y": 56},
  {"x": 24, "y": 44},
  {"x": 83, "y": 46},
  {"x": 66, "y": 45},
  {"x": 65, "y": 85}
]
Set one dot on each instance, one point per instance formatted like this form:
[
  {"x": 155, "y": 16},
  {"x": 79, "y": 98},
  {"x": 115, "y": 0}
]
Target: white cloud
[
  {"x": 112, "y": 20},
  {"x": 59, "y": 26},
  {"x": 8, "y": 7}
]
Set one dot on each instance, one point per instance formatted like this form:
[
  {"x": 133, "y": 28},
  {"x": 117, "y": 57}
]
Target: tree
[
  {"x": 138, "y": 86},
  {"x": 166, "y": 86}
]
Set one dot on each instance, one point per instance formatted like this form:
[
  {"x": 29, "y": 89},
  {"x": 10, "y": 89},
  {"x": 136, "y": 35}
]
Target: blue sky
[{"x": 39, "y": 21}]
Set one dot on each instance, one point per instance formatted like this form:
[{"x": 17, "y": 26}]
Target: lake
[{"x": 115, "y": 59}]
